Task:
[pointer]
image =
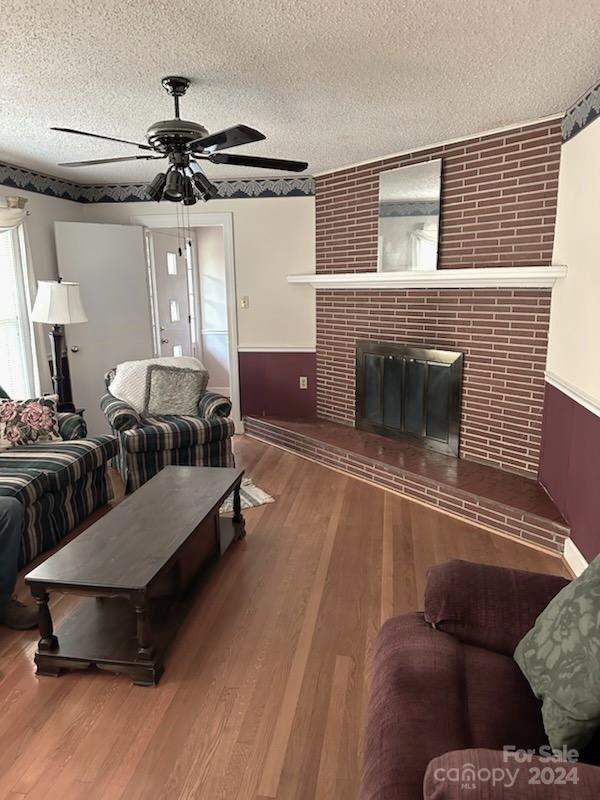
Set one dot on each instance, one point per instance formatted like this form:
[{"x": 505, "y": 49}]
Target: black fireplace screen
[{"x": 411, "y": 392}]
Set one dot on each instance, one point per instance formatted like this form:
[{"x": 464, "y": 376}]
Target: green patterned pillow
[{"x": 560, "y": 657}]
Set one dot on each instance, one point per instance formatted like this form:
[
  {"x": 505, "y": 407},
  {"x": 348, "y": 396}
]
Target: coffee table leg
[
  {"x": 145, "y": 649},
  {"x": 48, "y": 640},
  {"x": 238, "y": 518}
]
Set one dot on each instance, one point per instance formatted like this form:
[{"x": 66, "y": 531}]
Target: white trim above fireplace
[{"x": 479, "y": 277}]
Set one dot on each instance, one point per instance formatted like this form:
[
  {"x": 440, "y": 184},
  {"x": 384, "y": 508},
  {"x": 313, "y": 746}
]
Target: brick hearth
[{"x": 508, "y": 504}]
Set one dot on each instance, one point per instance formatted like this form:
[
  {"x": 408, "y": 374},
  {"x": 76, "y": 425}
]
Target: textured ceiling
[{"x": 331, "y": 82}]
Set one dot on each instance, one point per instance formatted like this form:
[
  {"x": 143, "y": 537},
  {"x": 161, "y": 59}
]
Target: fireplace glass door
[{"x": 409, "y": 392}]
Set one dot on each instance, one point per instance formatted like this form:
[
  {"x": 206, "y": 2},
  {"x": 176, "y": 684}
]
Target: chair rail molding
[
  {"x": 486, "y": 277},
  {"x": 575, "y": 394}
]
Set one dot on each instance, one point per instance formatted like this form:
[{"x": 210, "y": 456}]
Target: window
[
  {"x": 174, "y": 311},
  {"x": 177, "y": 350},
  {"x": 171, "y": 264},
  {"x": 17, "y": 365}
]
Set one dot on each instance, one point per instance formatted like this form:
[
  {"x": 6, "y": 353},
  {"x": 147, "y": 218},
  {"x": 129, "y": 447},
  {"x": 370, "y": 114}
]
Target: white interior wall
[
  {"x": 273, "y": 237},
  {"x": 44, "y": 211},
  {"x": 575, "y": 315}
]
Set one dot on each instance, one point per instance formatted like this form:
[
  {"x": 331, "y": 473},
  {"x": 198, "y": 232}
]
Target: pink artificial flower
[
  {"x": 34, "y": 415},
  {"x": 8, "y": 411},
  {"x": 13, "y": 434}
]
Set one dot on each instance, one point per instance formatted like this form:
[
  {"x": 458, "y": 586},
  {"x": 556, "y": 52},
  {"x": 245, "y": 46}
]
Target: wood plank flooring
[{"x": 264, "y": 695}]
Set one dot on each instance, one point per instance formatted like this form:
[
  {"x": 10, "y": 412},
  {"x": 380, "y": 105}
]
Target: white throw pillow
[{"x": 129, "y": 383}]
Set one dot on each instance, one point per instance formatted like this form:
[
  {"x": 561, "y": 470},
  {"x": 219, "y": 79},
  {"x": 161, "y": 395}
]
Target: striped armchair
[{"x": 149, "y": 444}]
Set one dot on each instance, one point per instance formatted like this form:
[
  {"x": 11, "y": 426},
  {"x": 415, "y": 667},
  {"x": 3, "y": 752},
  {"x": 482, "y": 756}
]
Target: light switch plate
[{"x": 245, "y": 301}]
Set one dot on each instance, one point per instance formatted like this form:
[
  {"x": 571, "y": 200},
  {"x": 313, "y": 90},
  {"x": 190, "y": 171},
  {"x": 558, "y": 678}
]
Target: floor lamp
[{"x": 58, "y": 303}]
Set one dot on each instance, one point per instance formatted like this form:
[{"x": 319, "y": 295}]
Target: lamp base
[{"x": 56, "y": 339}]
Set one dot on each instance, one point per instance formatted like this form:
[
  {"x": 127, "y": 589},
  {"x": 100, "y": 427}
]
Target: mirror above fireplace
[{"x": 409, "y": 214}]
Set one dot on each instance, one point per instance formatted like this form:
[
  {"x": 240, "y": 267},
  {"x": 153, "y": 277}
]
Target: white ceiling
[{"x": 332, "y": 82}]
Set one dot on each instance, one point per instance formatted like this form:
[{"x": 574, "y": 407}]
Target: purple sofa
[{"x": 447, "y": 696}]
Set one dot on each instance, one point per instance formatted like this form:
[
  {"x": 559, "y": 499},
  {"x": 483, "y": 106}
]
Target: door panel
[
  {"x": 170, "y": 270},
  {"x": 109, "y": 262}
]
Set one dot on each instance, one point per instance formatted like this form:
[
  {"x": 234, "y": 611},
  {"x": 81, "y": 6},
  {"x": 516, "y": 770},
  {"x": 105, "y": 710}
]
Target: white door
[
  {"x": 109, "y": 262},
  {"x": 174, "y": 295}
]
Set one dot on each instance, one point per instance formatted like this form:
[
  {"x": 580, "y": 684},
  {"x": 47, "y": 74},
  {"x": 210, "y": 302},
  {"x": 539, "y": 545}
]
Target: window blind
[{"x": 16, "y": 353}]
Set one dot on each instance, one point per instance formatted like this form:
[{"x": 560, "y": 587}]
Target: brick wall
[
  {"x": 498, "y": 203},
  {"x": 498, "y": 209},
  {"x": 502, "y": 332}
]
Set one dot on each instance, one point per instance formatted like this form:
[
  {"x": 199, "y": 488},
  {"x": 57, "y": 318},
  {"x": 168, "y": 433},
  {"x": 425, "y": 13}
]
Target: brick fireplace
[
  {"x": 502, "y": 332},
  {"x": 498, "y": 210}
]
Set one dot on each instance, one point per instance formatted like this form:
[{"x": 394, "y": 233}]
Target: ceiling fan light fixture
[
  {"x": 156, "y": 187},
  {"x": 181, "y": 141},
  {"x": 206, "y": 189},
  {"x": 189, "y": 198},
  {"x": 174, "y": 186}
]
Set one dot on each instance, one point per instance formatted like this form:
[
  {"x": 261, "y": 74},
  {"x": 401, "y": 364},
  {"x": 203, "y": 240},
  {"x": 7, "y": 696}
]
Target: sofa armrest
[
  {"x": 120, "y": 415},
  {"x": 495, "y": 775},
  {"x": 492, "y": 607},
  {"x": 212, "y": 404},
  {"x": 71, "y": 426}
]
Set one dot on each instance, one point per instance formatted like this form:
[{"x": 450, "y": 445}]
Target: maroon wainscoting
[
  {"x": 570, "y": 466},
  {"x": 269, "y": 384}
]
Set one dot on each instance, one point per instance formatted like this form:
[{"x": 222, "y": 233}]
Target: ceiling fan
[{"x": 185, "y": 143}]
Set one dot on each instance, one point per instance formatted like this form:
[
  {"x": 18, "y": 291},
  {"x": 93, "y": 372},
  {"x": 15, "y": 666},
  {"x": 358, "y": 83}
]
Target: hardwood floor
[{"x": 264, "y": 693}]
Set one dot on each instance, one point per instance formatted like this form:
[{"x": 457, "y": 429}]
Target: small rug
[{"x": 250, "y": 495}]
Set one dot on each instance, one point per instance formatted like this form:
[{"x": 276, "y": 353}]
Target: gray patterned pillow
[
  {"x": 560, "y": 657},
  {"x": 173, "y": 391}
]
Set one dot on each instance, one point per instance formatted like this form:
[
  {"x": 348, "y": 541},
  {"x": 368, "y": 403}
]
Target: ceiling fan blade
[
  {"x": 106, "y": 138},
  {"x": 258, "y": 161},
  {"x": 108, "y": 161},
  {"x": 230, "y": 137}
]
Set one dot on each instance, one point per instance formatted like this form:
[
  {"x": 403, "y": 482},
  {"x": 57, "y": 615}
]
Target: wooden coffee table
[{"x": 136, "y": 567}]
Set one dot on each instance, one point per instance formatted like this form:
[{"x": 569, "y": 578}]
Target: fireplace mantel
[{"x": 496, "y": 277}]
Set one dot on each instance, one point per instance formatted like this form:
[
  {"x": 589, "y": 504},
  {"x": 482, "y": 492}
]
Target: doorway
[{"x": 191, "y": 283}]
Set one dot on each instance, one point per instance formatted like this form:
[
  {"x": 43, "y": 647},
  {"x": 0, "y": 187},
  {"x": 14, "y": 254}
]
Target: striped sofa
[
  {"x": 146, "y": 445},
  {"x": 59, "y": 483}
]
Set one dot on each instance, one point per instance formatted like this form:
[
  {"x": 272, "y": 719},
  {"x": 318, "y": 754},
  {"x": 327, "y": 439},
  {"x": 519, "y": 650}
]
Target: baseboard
[{"x": 575, "y": 559}]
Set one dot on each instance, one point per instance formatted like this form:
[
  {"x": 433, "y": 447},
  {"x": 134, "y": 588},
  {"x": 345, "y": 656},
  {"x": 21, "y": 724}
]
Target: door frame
[{"x": 197, "y": 219}]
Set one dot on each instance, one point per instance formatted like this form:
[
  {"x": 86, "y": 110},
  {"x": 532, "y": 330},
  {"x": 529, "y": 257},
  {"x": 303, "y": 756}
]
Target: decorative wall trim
[
  {"x": 581, "y": 113},
  {"x": 582, "y": 398},
  {"x": 277, "y": 349},
  {"x": 31, "y": 181},
  {"x": 575, "y": 559},
  {"x": 486, "y": 277}
]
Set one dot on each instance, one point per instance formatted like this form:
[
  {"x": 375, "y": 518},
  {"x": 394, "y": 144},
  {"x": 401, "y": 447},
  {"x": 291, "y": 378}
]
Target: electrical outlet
[
  {"x": 245, "y": 301},
  {"x": 303, "y": 382}
]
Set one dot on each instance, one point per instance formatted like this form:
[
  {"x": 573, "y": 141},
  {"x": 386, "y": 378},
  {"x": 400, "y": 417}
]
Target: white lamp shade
[{"x": 58, "y": 303}]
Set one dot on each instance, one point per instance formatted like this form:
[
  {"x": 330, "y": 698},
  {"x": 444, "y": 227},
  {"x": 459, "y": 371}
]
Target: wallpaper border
[
  {"x": 31, "y": 181},
  {"x": 581, "y": 113}
]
